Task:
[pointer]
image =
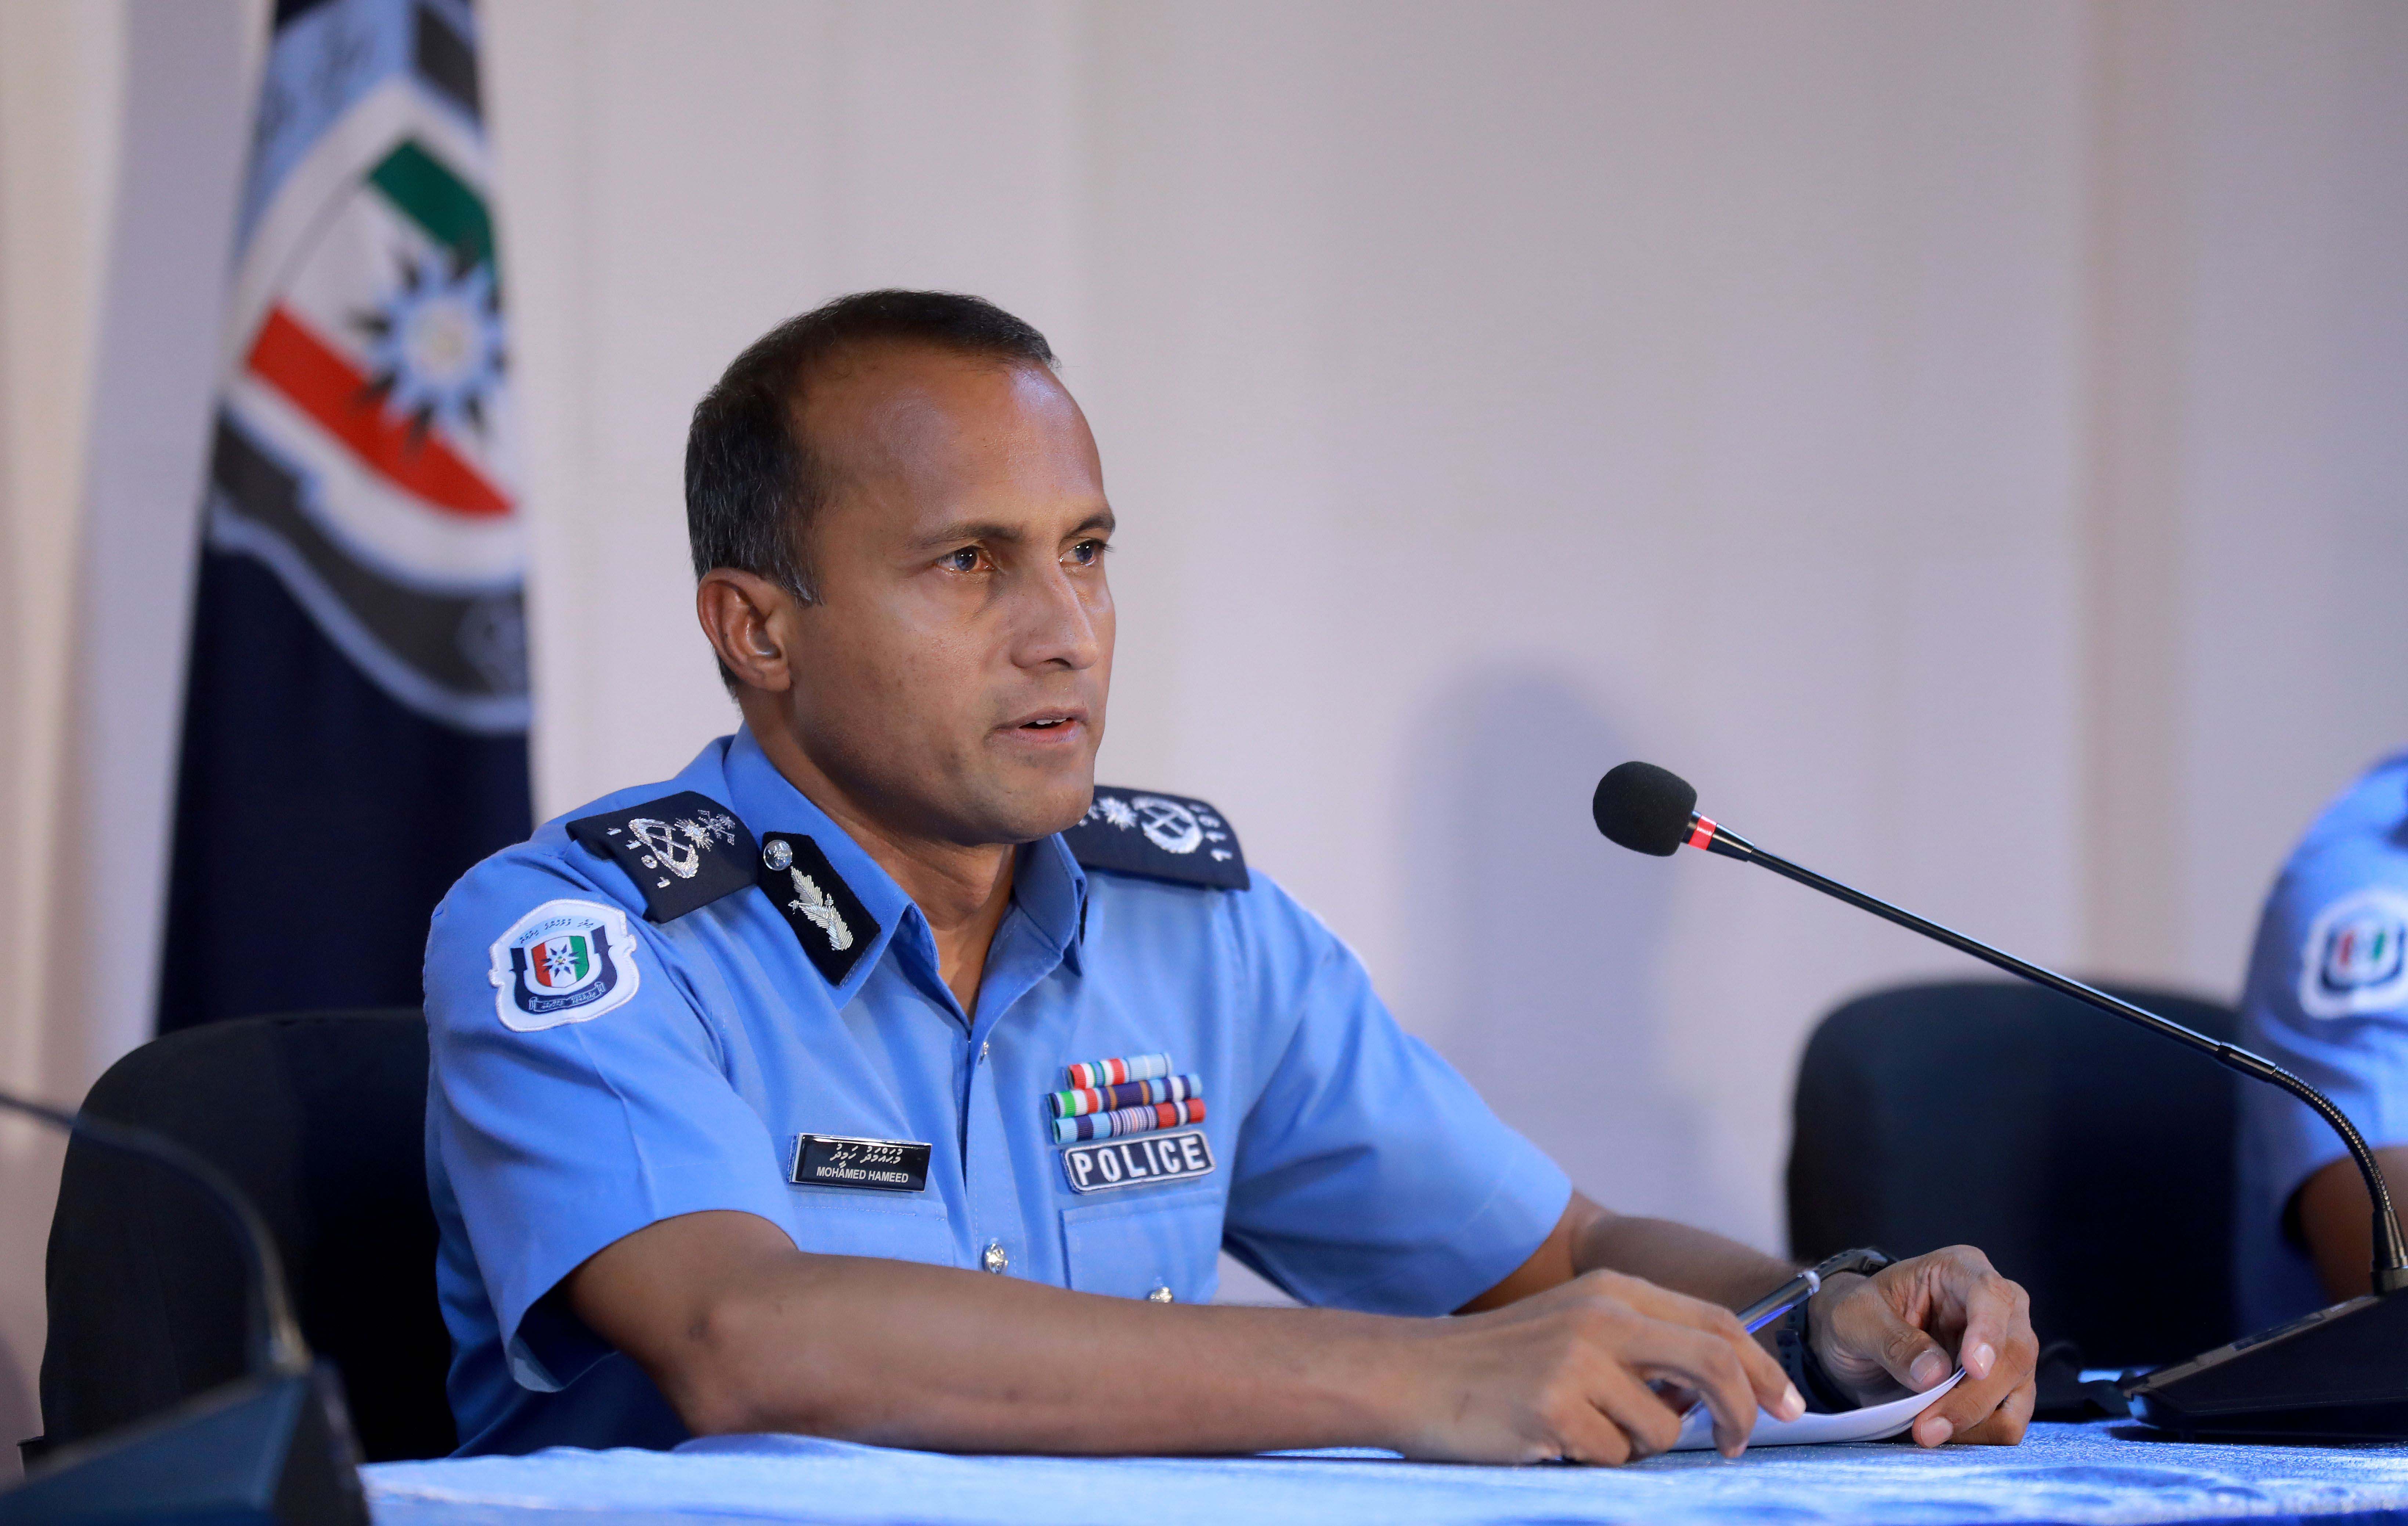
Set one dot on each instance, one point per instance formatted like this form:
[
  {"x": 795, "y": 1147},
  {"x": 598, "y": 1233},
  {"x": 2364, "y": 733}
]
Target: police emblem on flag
[
  {"x": 364, "y": 448},
  {"x": 564, "y": 961},
  {"x": 2356, "y": 957}
]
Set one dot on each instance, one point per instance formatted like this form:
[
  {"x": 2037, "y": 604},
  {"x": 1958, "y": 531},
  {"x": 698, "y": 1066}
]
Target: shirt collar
[
  {"x": 767, "y": 801},
  {"x": 1048, "y": 884},
  {"x": 1052, "y": 889}
]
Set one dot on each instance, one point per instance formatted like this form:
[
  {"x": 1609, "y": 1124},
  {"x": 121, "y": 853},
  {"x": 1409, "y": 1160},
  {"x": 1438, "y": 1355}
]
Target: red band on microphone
[{"x": 1702, "y": 831}]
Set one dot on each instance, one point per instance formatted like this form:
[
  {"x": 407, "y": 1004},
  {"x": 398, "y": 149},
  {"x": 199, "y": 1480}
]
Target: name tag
[
  {"x": 876, "y": 1165},
  {"x": 1135, "y": 1162}
]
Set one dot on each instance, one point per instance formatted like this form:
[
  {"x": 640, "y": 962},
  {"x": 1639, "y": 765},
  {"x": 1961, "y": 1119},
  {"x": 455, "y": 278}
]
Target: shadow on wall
[{"x": 1537, "y": 944}]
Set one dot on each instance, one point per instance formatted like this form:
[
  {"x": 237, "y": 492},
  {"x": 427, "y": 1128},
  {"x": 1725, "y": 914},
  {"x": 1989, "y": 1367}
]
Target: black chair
[
  {"x": 2090, "y": 1160},
  {"x": 319, "y": 1117}
]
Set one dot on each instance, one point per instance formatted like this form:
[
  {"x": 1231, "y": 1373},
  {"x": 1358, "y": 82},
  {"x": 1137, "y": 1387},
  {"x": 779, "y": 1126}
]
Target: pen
[{"x": 1781, "y": 1300}]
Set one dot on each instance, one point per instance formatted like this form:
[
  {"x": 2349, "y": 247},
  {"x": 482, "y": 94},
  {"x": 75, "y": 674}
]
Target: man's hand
[
  {"x": 1566, "y": 1374},
  {"x": 1907, "y": 1327}
]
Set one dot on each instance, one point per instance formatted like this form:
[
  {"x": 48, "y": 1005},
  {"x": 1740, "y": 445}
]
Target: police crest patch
[
  {"x": 2352, "y": 962},
  {"x": 564, "y": 961},
  {"x": 1160, "y": 836}
]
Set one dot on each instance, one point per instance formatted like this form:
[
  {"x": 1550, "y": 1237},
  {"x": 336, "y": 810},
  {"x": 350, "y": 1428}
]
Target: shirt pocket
[
  {"x": 1128, "y": 1247},
  {"x": 832, "y": 1222}
]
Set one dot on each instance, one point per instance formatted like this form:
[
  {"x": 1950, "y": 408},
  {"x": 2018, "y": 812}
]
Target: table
[{"x": 2108, "y": 1471}]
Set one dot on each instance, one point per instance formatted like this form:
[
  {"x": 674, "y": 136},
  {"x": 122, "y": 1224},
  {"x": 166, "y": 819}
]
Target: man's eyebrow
[{"x": 966, "y": 531}]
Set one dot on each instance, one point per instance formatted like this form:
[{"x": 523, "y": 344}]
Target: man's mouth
[{"x": 1049, "y": 722}]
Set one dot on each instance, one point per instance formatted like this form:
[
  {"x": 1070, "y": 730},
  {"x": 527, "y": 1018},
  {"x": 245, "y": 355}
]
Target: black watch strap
[{"x": 1796, "y": 1348}]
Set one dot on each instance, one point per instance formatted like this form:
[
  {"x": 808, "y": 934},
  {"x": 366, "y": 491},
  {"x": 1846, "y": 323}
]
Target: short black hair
[{"x": 752, "y": 482}]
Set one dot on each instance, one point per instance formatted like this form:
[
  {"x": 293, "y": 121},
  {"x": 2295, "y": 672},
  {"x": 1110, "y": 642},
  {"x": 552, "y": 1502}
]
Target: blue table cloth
[{"x": 2095, "y": 1475}]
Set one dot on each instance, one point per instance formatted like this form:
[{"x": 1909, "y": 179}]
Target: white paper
[{"x": 1876, "y": 1423}]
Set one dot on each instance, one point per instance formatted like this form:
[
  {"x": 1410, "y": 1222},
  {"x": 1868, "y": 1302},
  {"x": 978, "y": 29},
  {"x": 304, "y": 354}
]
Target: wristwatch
[{"x": 1822, "y": 1392}]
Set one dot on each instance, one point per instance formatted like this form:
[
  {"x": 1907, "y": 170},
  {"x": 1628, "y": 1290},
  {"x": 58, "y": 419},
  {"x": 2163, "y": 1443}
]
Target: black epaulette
[
  {"x": 1135, "y": 832},
  {"x": 683, "y": 851}
]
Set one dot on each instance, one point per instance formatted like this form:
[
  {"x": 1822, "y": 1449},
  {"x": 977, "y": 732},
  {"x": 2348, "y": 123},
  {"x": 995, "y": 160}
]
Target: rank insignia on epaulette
[
  {"x": 1160, "y": 836},
  {"x": 829, "y": 921},
  {"x": 683, "y": 851}
]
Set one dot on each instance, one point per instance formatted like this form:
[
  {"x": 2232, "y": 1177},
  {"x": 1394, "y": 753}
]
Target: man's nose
[{"x": 1058, "y": 621}]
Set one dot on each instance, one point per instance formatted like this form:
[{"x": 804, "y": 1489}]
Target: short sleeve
[
  {"x": 2328, "y": 1000},
  {"x": 576, "y": 1095},
  {"x": 1369, "y": 1174}
]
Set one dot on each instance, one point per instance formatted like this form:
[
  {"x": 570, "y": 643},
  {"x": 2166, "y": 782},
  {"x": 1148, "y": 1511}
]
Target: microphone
[
  {"x": 274, "y": 1444},
  {"x": 2341, "y": 1372}
]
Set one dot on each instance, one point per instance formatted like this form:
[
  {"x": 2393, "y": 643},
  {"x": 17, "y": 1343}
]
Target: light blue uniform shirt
[
  {"x": 595, "y": 1072},
  {"x": 2328, "y": 1000}
]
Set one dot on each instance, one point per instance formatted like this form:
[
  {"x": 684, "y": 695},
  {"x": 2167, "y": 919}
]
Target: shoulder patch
[
  {"x": 564, "y": 961},
  {"x": 1160, "y": 836},
  {"x": 829, "y": 921},
  {"x": 683, "y": 851},
  {"x": 2352, "y": 962}
]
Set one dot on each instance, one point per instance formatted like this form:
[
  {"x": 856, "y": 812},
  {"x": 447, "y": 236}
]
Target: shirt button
[
  {"x": 984, "y": 1045},
  {"x": 1160, "y": 1294},
  {"x": 995, "y": 1260}
]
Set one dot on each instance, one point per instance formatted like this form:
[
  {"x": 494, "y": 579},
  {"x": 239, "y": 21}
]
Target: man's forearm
[
  {"x": 1696, "y": 1262},
  {"x": 2337, "y": 1219},
  {"x": 904, "y": 1355}
]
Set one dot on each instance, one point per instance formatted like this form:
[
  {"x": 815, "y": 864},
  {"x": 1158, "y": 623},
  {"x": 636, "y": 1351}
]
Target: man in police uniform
[
  {"x": 879, "y": 1076},
  {"x": 2327, "y": 999}
]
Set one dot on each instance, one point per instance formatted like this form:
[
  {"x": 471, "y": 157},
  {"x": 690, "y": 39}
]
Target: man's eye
[
  {"x": 965, "y": 559},
  {"x": 1086, "y": 554}
]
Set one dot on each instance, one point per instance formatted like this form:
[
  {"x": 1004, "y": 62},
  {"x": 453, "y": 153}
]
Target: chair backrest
[
  {"x": 2090, "y": 1160},
  {"x": 321, "y": 1118}
]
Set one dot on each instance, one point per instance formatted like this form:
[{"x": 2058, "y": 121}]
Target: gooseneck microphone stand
[
  {"x": 272, "y": 1445},
  {"x": 2390, "y": 1250},
  {"x": 2341, "y": 1373}
]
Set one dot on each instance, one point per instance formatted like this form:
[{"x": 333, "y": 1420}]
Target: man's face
[{"x": 952, "y": 677}]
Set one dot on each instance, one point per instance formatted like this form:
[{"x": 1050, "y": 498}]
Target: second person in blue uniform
[
  {"x": 879, "y": 1076},
  {"x": 2326, "y": 998}
]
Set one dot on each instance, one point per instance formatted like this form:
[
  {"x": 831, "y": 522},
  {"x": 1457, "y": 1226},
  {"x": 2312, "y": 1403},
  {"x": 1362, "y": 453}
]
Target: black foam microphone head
[{"x": 1644, "y": 808}]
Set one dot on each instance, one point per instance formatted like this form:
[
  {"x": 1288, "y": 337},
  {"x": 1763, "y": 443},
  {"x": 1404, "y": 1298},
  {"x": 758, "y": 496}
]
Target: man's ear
[{"x": 741, "y": 614}]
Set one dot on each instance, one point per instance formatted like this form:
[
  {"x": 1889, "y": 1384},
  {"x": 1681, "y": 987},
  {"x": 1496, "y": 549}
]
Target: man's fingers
[
  {"x": 1997, "y": 1350},
  {"x": 2003, "y": 1426},
  {"x": 1646, "y": 1418},
  {"x": 1705, "y": 1364},
  {"x": 1771, "y": 1386},
  {"x": 1994, "y": 1309},
  {"x": 1970, "y": 1403},
  {"x": 1905, "y": 1352},
  {"x": 1587, "y": 1435}
]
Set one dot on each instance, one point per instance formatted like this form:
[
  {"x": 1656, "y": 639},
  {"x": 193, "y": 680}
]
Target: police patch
[
  {"x": 683, "y": 851},
  {"x": 1160, "y": 836},
  {"x": 829, "y": 921},
  {"x": 2352, "y": 961},
  {"x": 1139, "y": 1162},
  {"x": 564, "y": 961}
]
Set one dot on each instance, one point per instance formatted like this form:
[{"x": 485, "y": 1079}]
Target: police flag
[{"x": 355, "y": 709}]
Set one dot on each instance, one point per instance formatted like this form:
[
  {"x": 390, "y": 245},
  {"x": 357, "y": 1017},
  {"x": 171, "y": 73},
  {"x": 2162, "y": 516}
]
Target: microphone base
[
  {"x": 2340, "y": 1374},
  {"x": 274, "y": 1449}
]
